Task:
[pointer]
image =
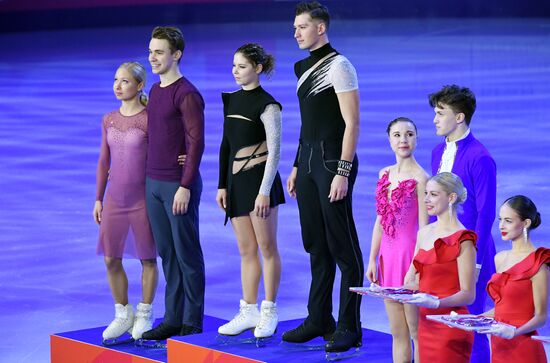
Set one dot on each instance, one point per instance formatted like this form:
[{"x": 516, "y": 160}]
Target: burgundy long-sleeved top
[{"x": 175, "y": 127}]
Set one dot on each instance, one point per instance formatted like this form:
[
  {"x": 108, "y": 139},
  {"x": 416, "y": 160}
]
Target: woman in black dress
[{"x": 250, "y": 188}]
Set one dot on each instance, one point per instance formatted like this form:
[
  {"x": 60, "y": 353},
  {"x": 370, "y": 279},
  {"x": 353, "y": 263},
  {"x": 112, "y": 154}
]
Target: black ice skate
[
  {"x": 156, "y": 337},
  {"x": 344, "y": 344}
]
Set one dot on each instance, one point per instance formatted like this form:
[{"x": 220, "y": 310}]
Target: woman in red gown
[
  {"x": 520, "y": 286},
  {"x": 445, "y": 266}
]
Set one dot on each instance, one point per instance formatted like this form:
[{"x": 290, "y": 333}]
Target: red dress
[
  {"x": 438, "y": 270},
  {"x": 512, "y": 291}
]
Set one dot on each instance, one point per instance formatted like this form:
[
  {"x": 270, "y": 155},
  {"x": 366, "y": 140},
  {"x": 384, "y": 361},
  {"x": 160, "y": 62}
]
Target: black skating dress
[{"x": 243, "y": 127}]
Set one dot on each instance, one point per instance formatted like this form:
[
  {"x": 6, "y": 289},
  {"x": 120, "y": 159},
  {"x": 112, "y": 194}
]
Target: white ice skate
[
  {"x": 123, "y": 322},
  {"x": 268, "y": 320},
  {"x": 247, "y": 318},
  {"x": 143, "y": 320}
]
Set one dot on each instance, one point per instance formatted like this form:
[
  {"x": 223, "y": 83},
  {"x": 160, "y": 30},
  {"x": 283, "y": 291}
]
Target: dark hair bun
[
  {"x": 256, "y": 54},
  {"x": 536, "y": 221},
  {"x": 525, "y": 208}
]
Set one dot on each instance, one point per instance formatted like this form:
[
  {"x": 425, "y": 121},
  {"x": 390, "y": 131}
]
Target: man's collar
[{"x": 466, "y": 134}]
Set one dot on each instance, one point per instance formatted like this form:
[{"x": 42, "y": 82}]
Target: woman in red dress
[
  {"x": 520, "y": 286},
  {"x": 444, "y": 264}
]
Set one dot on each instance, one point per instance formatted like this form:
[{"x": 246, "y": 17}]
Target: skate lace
[
  {"x": 143, "y": 314},
  {"x": 266, "y": 316},
  {"x": 117, "y": 321},
  {"x": 238, "y": 317},
  {"x": 121, "y": 315}
]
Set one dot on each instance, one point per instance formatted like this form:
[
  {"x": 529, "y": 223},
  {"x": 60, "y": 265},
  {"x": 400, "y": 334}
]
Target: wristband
[
  {"x": 343, "y": 172},
  {"x": 344, "y": 164}
]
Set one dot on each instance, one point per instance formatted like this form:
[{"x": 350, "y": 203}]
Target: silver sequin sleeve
[
  {"x": 342, "y": 75},
  {"x": 271, "y": 118}
]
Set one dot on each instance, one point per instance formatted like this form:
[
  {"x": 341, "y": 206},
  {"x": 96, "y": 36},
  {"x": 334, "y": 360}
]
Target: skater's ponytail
[
  {"x": 140, "y": 74},
  {"x": 256, "y": 55}
]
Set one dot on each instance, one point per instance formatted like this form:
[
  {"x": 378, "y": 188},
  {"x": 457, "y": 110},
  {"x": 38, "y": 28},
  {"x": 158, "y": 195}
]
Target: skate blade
[
  {"x": 123, "y": 339},
  {"x": 336, "y": 356},
  {"x": 235, "y": 339},
  {"x": 151, "y": 344},
  {"x": 262, "y": 342},
  {"x": 302, "y": 347}
]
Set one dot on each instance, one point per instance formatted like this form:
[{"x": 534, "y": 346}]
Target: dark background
[{"x": 33, "y": 15}]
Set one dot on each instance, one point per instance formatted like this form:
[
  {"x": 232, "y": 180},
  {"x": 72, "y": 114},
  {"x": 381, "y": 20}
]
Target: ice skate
[
  {"x": 305, "y": 336},
  {"x": 343, "y": 344},
  {"x": 156, "y": 337},
  {"x": 268, "y": 323},
  {"x": 143, "y": 320},
  {"x": 123, "y": 322},
  {"x": 351, "y": 353},
  {"x": 189, "y": 330},
  {"x": 247, "y": 319},
  {"x": 246, "y": 337},
  {"x": 151, "y": 344}
]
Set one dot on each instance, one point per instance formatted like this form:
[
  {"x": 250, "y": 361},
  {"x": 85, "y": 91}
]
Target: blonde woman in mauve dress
[{"x": 120, "y": 209}]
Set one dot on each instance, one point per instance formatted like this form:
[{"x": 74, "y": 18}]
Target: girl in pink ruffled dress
[{"x": 399, "y": 215}]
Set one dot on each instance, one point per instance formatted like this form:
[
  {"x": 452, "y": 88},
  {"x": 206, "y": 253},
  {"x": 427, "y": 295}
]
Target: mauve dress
[
  {"x": 399, "y": 221},
  {"x": 124, "y": 228}
]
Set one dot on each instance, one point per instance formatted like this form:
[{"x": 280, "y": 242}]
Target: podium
[{"x": 85, "y": 346}]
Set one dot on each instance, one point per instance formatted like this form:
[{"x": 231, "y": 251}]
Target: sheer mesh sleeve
[
  {"x": 343, "y": 75},
  {"x": 102, "y": 164},
  {"x": 192, "y": 109},
  {"x": 271, "y": 118}
]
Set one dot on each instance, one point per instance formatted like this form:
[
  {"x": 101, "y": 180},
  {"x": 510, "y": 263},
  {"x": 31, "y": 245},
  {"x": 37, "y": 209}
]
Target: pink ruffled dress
[
  {"x": 124, "y": 228},
  {"x": 398, "y": 211}
]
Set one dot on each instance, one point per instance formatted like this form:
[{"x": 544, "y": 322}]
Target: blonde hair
[
  {"x": 451, "y": 183},
  {"x": 140, "y": 75}
]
